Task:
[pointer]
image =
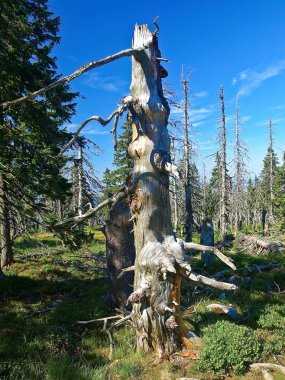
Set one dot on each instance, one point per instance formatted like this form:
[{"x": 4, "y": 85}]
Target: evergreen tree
[
  {"x": 265, "y": 178},
  {"x": 279, "y": 194},
  {"x": 115, "y": 179},
  {"x": 30, "y": 133},
  {"x": 213, "y": 191}
]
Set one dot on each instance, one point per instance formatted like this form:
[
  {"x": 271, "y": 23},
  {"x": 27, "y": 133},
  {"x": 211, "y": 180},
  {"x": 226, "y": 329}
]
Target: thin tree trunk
[
  {"x": 186, "y": 158},
  {"x": 80, "y": 181},
  {"x": 224, "y": 216},
  {"x": 175, "y": 198},
  {"x": 271, "y": 172},
  {"x": 5, "y": 233}
]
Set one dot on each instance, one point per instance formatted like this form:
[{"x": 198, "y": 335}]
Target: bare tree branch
[
  {"x": 68, "y": 78},
  {"x": 75, "y": 220},
  {"x": 117, "y": 112},
  {"x": 211, "y": 282},
  {"x": 219, "y": 254}
]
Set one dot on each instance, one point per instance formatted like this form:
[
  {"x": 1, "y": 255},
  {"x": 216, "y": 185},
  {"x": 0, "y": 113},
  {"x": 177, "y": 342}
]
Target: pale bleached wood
[{"x": 219, "y": 254}]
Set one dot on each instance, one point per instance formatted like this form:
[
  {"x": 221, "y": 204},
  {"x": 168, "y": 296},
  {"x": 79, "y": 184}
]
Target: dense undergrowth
[{"x": 42, "y": 297}]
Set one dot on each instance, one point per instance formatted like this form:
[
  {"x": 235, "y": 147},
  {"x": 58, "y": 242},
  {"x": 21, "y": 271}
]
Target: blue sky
[{"x": 237, "y": 44}]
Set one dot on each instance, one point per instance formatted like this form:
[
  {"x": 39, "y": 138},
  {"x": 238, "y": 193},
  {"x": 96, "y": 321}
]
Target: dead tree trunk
[
  {"x": 80, "y": 181},
  {"x": 5, "y": 233},
  {"x": 157, "y": 283},
  {"x": 207, "y": 238},
  {"x": 238, "y": 174},
  {"x": 160, "y": 261},
  {"x": 188, "y": 220},
  {"x": 224, "y": 215},
  {"x": 175, "y": 198},
  {"x": 120, "y": 252},
  {"x": 271, "y": 173}
]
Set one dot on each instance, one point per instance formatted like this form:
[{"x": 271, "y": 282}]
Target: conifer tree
[
  {"x": 115, "y": 179},
  {"x": 30, "y": 133},
  {"x": 279, "y": 194}
]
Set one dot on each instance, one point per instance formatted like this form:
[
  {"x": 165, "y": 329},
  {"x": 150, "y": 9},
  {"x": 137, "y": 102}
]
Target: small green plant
[
  {"x": 273, "y": 317},
  {"x": 228, "y": 348},
  {"x": 273, "y": 335}
]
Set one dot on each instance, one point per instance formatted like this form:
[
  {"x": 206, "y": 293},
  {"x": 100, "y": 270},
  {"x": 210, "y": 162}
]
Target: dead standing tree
[
  {"x": 160, "y": 261},
  {"x": 188, "y": 219},
  {"x": 224, "y": 198},
  {"x": 240, "y": 172}
]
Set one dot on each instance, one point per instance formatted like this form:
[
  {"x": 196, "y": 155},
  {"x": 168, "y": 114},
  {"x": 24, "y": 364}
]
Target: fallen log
[
  {"x": 250, "y": 268},
  {"x": 268, "y": 245}
]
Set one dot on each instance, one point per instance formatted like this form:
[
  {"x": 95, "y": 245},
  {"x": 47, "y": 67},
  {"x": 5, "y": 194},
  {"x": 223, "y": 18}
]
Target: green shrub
[
  {"x": 273, "y": 335},
  {"x": 273, "y": 317},
  {"x": 228, "y": 347}
]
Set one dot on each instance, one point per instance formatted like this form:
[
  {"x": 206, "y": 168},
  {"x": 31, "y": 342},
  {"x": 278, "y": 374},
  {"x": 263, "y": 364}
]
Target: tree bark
[
  {"x": 156, "y": 295},
  {"x": 224, "y": 214},
  {"x": 188, "y": 220},
  {"x": 120, "y": 252},
  {"x": 175, "y": 197},
  {"x": 80, "y": 182},
  {"x": 5, "y": 232}
]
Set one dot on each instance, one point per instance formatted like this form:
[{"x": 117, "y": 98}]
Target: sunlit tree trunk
[
  {"x": 188, "y": 220},
  {"x": 156, "y": 295},
  {"x": 224, "y": 200}
]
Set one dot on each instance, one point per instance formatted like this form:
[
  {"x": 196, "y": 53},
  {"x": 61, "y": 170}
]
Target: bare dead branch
[
  {"x": 68, "y": 78},
  {"x": 99, "y": 320},
  {"x": 156, "y": 25},
  {"x": 129, "y": 269},
  {"x": 219, "y": 254},
  {"x": 211, "y": 282},
  {"x": 116, "y": 113},
  {"x": 92, "y": 211}
]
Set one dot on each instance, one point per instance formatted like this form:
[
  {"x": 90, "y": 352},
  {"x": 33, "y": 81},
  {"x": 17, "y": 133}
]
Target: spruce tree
[
  {"x": 265, "y": 178},
  {"x": 279, "y": 194},
  {"x": 115, "y": 179},
  {"x": 30, "y": 133}
]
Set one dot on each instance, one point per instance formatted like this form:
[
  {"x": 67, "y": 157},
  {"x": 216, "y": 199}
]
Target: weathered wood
[
  {"x": 160, "y": 260},
  {"x": 270, "y": 246},
  {"x": 214, "y": 250},
  {"x": 75, "y": 220},
  {"x": 157, "y": 284},
  {"x": 224, "y": 197},
  {"x": 188, "y": 219}
]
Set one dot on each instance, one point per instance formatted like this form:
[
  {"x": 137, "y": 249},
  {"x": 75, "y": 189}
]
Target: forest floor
[{"x": 42, "y": 297}]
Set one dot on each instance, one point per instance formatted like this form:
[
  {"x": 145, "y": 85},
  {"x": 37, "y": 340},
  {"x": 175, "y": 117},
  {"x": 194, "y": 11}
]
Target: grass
[{"x": 50, "y": 345}]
